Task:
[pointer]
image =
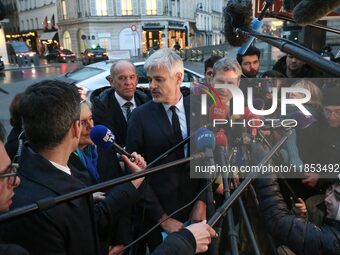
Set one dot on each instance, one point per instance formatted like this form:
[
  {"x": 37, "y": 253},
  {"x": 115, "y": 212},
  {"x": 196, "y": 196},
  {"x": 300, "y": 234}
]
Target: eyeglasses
[
  {"x": 328, "y": 113},
  {"x": 88, "y": 123},
  {"x": 11, "y": 173}
]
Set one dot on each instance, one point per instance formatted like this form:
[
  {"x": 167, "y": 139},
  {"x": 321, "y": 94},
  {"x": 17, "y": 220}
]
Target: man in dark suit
[
  {"x": 50, "y": 112},
  {"x": 8, "y": 182},
  {"x": 112, "y": 106},
  {"x": 154, "y": 128}
]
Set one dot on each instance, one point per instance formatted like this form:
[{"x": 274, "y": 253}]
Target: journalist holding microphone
[{"x": 51, "y": 118}]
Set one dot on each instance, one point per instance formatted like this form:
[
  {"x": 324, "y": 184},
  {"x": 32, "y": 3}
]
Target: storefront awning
[
  {"x": 176, "y": 28},
  {"x": 47, "y": 36},
  {"x": 153, "y": 28}
]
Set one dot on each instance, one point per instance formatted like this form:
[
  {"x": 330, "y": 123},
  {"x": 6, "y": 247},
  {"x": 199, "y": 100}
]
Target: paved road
[{"x": 16, "y": 80}]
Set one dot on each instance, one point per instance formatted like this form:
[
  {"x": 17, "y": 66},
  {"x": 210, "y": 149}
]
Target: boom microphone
[
  {"x": 104, "y": 138},
  {"x": 308, "y": 11},
  {"x": 237, "y": 14}
]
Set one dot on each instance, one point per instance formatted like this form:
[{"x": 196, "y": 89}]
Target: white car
[{"x": 94, "y": 76}]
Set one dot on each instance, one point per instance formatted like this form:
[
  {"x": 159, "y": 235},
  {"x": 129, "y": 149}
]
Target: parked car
[
  {"x": 19, "y": 52},
  {"x": 94, "y": 55},
  {"x": 60, "y": 55},
  {"x": 2, "y": 66},
  {"x": 94, "y": 76}
]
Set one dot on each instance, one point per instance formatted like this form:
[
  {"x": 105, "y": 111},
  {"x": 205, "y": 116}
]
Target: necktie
[
  {"x": 177, "y": 130},
  {"x": 128, "y": 106}
]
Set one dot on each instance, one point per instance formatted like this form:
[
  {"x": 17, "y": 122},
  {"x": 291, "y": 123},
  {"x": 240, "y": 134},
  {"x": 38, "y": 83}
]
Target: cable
[
  {"x": 279, "y": 39},
  {"x": 169, "y": 216}
]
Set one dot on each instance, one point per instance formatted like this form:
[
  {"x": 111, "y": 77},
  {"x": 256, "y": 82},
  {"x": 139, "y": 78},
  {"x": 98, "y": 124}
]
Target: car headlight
[
  {"x": 1, "y": 59},
  {"x": 31, "y": 54}
]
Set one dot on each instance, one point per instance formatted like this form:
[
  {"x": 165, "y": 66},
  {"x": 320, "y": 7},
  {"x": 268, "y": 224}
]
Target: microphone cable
[{"x": 169, "y": 216}]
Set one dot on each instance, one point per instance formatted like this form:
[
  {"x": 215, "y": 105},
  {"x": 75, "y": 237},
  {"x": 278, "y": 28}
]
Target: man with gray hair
[
  {"x": 226, "y": 71},
  {"x": 154, "y": 128}
]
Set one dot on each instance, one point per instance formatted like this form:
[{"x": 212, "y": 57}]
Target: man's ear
[
  {"x": 110, "y": 80},
  {"x": 179, "y": 77},
  {"x": 76, "y": 129}
]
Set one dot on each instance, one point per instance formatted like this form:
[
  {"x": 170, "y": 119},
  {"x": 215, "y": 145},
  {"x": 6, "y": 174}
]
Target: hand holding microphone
[{"x": 103, "y": 137}]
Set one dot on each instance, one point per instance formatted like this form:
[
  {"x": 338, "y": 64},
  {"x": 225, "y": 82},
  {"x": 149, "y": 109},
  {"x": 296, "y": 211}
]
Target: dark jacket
[
  {"x": 12, "y": 249},
  {"x": 151, "y": 134},
  {"x": 300, "y": 235},
  {"x": 106, "y": 111},
  {"x": 121, "y": 232},
  {"x": 74, "y": 227},
  {"x": 307, "y": 71}
]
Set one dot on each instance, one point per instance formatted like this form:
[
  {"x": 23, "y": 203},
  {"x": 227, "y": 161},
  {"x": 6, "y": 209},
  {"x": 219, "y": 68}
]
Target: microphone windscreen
[
  {"x": 304, "y": 121},
  {"x": 218, "y": 112},
  {"x": 221, "y": 138},
  {"x": 204, "y": 139},
  {"x": 289, "y": 5},
  {"x": 237, "y": 14},
  {"x": 309, "y": 11},
  {"x": 102, "y": 136}
]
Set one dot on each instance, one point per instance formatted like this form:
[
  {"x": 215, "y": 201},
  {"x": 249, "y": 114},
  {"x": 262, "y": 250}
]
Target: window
[
  {"x": 37, "y": 23},
  {"x": 32, "y": 23},
  {"x": 67, "y": 40},
  {"x": 105, "y": 43},
  {"x": 127, "y": 7},
  {"x": 151, "y": 7},
  {"x": 101, "y": 7},
  {"x": 63, "y": 6}
]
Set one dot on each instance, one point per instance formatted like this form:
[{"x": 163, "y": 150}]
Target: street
[{"x": 17, "y": 80}]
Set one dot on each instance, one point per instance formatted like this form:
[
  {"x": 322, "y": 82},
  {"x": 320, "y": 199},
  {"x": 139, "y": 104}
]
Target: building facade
[
  {"x": 137, "y": 26},
  {"x": 38, "y": 20}
]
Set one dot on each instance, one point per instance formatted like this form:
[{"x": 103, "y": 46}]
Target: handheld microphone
[
  {"x": 304, "y": 121},
  {"x": 104, "y": 138},
  {"x": 237, "y": 14},
  {"x": 205, "y": 142},
  {"x": 218, "y": 112},
  {"x": 222, "y": 144}
]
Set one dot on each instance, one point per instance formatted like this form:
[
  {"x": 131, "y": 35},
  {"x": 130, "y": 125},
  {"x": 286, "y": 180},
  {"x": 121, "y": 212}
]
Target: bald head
[{"x": 124, "y": 78}]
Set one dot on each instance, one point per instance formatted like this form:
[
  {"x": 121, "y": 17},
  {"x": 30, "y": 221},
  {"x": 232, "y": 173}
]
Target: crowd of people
[{"x": 52, "y": 125}]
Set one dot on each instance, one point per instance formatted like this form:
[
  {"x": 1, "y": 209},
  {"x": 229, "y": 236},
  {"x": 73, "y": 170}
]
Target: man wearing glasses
[
  {"x": 8, "y": 182},
  {"x": 327, "y": 136}
]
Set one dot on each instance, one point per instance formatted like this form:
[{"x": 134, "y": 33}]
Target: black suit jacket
[
  {"x": 74, "y": 227},
  {"x": 106, "y": 111},
  {"x": 150, "y": 134}
]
